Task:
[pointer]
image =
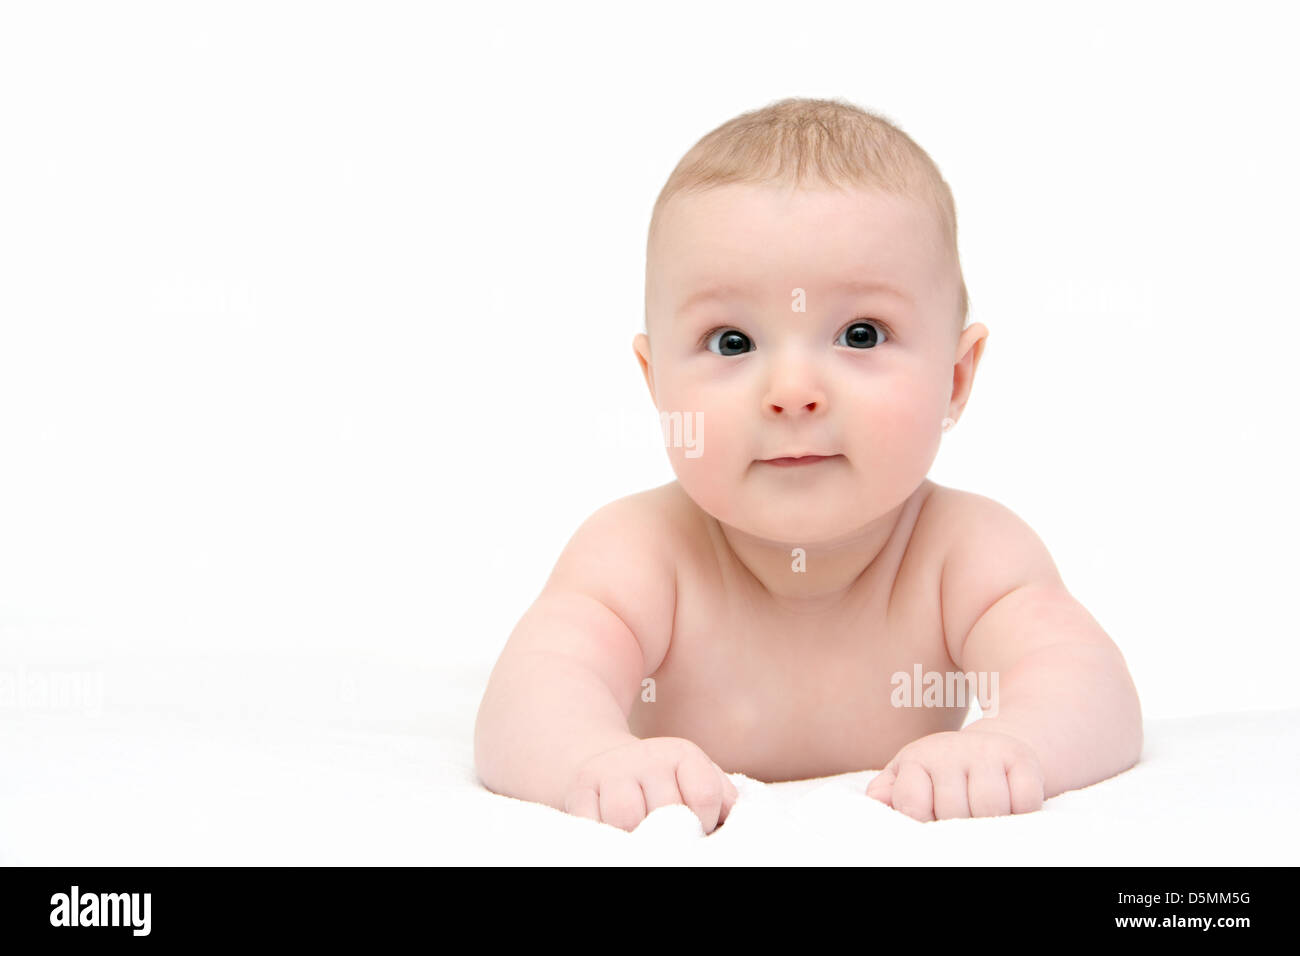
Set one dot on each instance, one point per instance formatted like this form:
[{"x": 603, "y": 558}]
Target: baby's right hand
[{"x": 623, "y": 785}]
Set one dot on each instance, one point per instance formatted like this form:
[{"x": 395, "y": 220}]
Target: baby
[{"x": 803, "y": 601}]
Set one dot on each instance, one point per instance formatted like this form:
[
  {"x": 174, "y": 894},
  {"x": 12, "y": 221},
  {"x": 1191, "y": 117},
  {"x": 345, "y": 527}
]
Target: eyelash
[{"x": 889, "y": 333}]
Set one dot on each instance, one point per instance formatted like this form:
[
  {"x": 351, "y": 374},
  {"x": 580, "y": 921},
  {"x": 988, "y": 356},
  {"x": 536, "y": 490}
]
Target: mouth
[{"x": 797, "y": 461}]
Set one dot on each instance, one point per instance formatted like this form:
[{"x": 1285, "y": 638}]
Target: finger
[
  {"x": 583, "y": 802},
  {"x": 660, "y": 789},
  {"x": 881, "y": 786},
  {"x": 701, "y": 789},
  {"x": 729, "y": 797},
  {"x": 988, "y": 792},
  {"x": 621, "y": 803},
  {"x": 1026, "y": 786},
  {"x": 950, "y": 798},
  {"x": 914, "y": 792}
]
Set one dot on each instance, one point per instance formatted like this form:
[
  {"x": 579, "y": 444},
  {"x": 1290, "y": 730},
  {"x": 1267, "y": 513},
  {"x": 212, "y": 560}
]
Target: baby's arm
[
  {"x": 552, "y": 726},
  {"x": 1067, "y": 712},
  {"x": 1064, "y": 687},
  {"x": 559, "y": 695}
]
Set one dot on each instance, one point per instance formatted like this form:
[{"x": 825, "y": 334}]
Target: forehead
[{"x": 785, "y": 237}]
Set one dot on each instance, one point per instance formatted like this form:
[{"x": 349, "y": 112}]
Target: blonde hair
[{"x": 795, "y": 139}]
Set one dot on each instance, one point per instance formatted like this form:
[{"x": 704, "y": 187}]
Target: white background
[{"x": 316, "y": 320}]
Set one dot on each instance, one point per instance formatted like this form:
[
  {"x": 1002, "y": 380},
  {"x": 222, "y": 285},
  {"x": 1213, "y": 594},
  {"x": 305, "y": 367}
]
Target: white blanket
[{"x": 175, "y": 782}]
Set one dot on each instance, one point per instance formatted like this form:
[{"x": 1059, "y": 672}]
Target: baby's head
[{"x": 804, "y": 296}]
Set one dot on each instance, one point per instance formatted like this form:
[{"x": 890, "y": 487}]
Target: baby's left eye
[{"x": 862, "y": 335}]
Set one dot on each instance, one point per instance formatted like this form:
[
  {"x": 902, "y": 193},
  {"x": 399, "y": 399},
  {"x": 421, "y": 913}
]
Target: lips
[{"x": 797, "y": 461}]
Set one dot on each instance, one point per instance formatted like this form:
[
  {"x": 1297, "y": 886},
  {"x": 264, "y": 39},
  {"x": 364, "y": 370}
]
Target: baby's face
[{"x": 761, "y": 336}]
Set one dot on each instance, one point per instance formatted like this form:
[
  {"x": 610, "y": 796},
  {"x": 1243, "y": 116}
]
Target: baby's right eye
[{"x": 730, "y": 342}]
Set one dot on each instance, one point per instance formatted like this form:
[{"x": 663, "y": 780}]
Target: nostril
[{"x": 811, "y": 406}]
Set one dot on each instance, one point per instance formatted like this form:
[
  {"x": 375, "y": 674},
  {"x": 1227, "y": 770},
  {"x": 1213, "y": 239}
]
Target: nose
[{"x": 793, "y": 389}]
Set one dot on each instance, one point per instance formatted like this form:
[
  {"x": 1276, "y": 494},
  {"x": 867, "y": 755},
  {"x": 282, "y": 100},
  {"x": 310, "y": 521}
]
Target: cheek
[
  {"x": 895, "y": 431},
  {"x": 712, "y": 443},
  {"x": 899, "y": 424}
]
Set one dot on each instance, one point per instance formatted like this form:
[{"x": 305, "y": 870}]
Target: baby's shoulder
[
  {"x": 626, "y": 555},
  {"x": 967, "y": 526},
  {"x": 942, "y": 505},
  {"x": 942, "y": 510},
  {"x": 653, "y": 524},
  {"x": 984, "y": 550}
]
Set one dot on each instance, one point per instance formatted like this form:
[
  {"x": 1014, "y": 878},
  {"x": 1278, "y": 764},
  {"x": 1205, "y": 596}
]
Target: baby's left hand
[{"x": 961, "y": 774}]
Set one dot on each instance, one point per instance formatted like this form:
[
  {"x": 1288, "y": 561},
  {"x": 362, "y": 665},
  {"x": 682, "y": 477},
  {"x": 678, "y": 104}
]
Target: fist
[
  {"x": 961, "y": 774},
  {"x": 624, "y": 785}
]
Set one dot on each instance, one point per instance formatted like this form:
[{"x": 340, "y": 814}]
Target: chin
[
  {"x": 805, "y": 528},
  {"x": 798, "y": 535},
  {"x": 816, "y": 518}
]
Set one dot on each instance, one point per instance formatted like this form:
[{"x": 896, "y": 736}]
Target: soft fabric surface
[{"x": 177, "y": 784}]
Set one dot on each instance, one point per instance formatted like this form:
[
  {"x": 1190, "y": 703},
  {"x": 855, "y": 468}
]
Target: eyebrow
[
  {"x": 861, "y": 286},
  {"x": 726, "y": 293},
  {"x": 722, "y": 293}
]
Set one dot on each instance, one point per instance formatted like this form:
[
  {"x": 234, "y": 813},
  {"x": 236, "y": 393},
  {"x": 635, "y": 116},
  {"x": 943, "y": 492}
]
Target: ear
[
  {"x": 970, "y": 348},
  {"x": 641, "y": 346}
]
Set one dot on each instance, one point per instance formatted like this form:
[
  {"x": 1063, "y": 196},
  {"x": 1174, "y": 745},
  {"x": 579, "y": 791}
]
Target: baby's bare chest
[{"x": 780, "y": 697}]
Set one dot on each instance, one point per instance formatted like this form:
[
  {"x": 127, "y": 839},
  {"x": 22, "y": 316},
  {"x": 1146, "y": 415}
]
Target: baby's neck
[{"x": 831, "y": 571}]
